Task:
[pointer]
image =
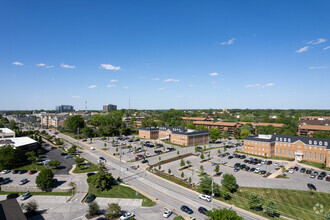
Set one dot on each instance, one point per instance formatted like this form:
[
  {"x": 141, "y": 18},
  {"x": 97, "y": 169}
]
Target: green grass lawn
[
  {"x": 40, "y": 193},
  {"x": 84, "y": 169},
  {"x": 315, "y": 164},
  {"x": 178, "y": 218},
  {"x": 31, "y": 167},
  {"x": 295, "y": 204},
  {"x": 120, "y": 191}
]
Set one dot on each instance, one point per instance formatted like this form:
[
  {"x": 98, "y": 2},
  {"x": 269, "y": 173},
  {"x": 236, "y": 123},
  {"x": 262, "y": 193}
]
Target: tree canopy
[
  {"x": 223, "y": 214},
  {"x": 72, "y": 123},
  {"x": 44, "y": 179}
]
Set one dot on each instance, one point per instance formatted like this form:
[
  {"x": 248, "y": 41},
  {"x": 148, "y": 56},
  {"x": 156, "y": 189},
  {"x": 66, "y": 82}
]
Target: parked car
[
  {"x": 12, "y": 196},
  {"x": 148, "y": 155},
  {"x": 205, "y": 197},
  {"x": 32, "y": 172},
  {"x": 302, "y": 170},
  {"x": 5, "y": 181},
  {"x": 236, "y": 169},
  {"x": 23, "y": 181},
  {"x": 26, "y": 196},
  {"x": 167, "y": 213},
  {"x": 269, "y": 162},
  {"x": 186, "y": 209},
  {"x": 263, "y": 172},
  {"x": 202, "y": 210},
  {"x": 68, "y": 156},
  {"x": 127, "y": 215},
  {"x": 22, "y": 171},
  {"x": 320, "y": 177},
  {"x": 296, "y": 168},
  {"x": 311, "y": 186},
  {"x": 323, "y": 174},
  {"x": 5, "y": 171},
  {"x": 242, "y": 166},
  {"x": 230, "y": 157},
  {"x": 257, "y": 170},
  {"x": 101, "y": 160},
  {"x": 276, "y": 164},
  {"x": 92, "y": 148},
  {"x": 144, "y": 161},
  {"x": 291, "y": 170},
  {"x": 328, "y": 177},
  {"x": 247, "y": 168},
  {"x": 15, "y": 171},
  {"x": 308, "y": 171},
  {"x": 63, "y": 154},
  {"x": 90, "y": 174},
  {"x": 224, "y": 162},
  {"x": 252, "y": 169},
  {"x": 90, "y": 198}
]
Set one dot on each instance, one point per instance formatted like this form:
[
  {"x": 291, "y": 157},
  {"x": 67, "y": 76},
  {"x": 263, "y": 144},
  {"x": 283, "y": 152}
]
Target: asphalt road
[
  {"x": 171, "y": 195},
  {"x": 66, "y": 164}
]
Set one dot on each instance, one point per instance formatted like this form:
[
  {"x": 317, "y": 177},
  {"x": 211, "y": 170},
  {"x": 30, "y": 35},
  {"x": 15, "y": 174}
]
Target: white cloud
[
  {"x": 317, "y": 67},
  {"x": 303, "y": 49},
  {"x": 17, "y": 63},
  {"x": 214, "y": 74},
  {"x": 155, "y": 78},
  {"x": 260, "y": 85},
  {"x": 41, "y": 64},
  {"x": 318, "y": 41},
  {"x": 75, "y": 96},
  {"x": 109, "y": 67},
  {"x": 171, "y": 80},
  {"x": 92, "y": 86},
  {"x": 49, "y": 67},
  {"x": 67, "y": 66},
  {"x": 160, "y": 88},
  {"x": 326, "y": 48},
  {"x": 179, "y": 97},
  {"x": 125, "y": 87},
  {"x": 229, "y": 42},
  {"x": 113, "y": 80},
  {"x": 111, "y": 86}
]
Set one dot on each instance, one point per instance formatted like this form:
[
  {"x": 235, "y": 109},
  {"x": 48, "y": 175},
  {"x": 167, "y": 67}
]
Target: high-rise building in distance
[
  {"x": 64, "y": 108},
  {"x": 109, "y": 107}
]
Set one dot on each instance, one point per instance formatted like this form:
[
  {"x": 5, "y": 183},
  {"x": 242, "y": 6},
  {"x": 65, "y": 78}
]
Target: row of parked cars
[
  {"x": 15, "y": 195},
  {"x": 312, "y": 174},
  {"x": 238, "y": 167}
]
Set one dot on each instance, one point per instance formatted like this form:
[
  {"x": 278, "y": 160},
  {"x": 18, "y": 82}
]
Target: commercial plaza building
[
  {"x": 6, "y": 133},
  {"x": 109, "y": 107},
  {"x": 298, "y": 148},
  {"x": 64, "y": 108},
  {"x": 181, "y": 136}
]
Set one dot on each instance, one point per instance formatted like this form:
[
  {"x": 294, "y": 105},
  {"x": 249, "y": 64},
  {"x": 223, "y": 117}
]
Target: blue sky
[{"x": 165, "y": 54}]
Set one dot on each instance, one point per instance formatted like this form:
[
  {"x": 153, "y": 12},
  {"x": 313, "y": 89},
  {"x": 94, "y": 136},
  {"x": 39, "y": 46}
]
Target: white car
[
  {"x": 167, "y": 213},
  {"x": 291, "y": 170},
  {"x": 276, "y": 164},
  {"x": 5, "y": 171},
  {"x": 257, "y": 170},
  {"x": 224, "y": 162},
  {"x": 148, "y": 155},
  {"x": 127, "y": 216},
  {"x": 45, "y": 162},
  {"x": 92, "y": 148},
  {"x": 205, "y": 197}
]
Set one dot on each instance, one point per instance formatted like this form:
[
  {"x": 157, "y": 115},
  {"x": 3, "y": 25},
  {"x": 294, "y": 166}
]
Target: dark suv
[{"x": 186, "y": 209}]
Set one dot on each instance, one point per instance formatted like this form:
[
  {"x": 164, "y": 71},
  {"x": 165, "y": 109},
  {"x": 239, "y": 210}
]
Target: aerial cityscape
[{"x": 215, "y": 110}]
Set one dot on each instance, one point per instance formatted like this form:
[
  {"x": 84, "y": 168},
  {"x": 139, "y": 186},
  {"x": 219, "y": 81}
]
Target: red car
[{"x": 32, "y": 172}]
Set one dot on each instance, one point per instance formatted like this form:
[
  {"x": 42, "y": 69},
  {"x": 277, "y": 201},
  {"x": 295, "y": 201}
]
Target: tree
[
  {"x": 229, "y": 182},
  {"x": 44, "y": 179},
  {"x": 255, "y": 202},
  {"x": 245, "y": 133},
  {"x": 169, "y": 171},
  {"x": 201, "y": 169},
  {"x": 217, "y": 169},
  {"x": 202, "y": 156},
  {"x": 93, "y": 208},
  {"x": 178, "y": 152},
  {"x": 9, "y": 157},
  {"x": 113, "y": 211},
  {"x": 201, "y": 127},
  {"x": 54, "y": 163},
  {"x": 31, "y": 207},
  {"x": 206, "y": 185},
  {"x": 87, "y": 132},
  {"x": 219, "y": 151},
  {"x": 225, "y": 148},
  {"x": 188, "y": 162},
  {"x": 223, "y": 214},
  {"x": 209, "y": 154},
  {"x": 79, "y": 161},
  {"x": 189, "y": 180},
  {"x": 182, "y": 174},
  {"x": 214, "y": 134},
  {"x": 72, "y": 150},
  {"x": 225, "y": 134},
  {"x": 72, "y": 123},
  {"x": 58, "y": 141},
  {"x": 271, "y": 208},
  {"x": 190, "y": 125},
  {"x": 159, "y": 167},
  {"x": 31, "y": 156},
  {"x": 102, "y": 180},
  {"x": 182, "y": 163}
]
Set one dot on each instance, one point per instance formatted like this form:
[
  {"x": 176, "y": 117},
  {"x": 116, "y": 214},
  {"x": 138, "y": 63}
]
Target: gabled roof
[
  {"x": 220, "y": 123},
  {"x": 203, "y": 122},
  {"x": 278, "y": 125}
]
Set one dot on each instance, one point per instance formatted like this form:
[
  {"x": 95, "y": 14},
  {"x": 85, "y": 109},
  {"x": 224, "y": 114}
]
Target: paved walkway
[{"x": 287, "y": 166}]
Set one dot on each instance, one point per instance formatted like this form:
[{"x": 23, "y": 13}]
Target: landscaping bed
[{"x": 172, "y": 159}]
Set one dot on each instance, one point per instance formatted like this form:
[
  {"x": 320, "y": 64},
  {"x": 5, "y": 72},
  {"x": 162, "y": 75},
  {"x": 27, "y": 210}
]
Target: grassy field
[
  {"x": 84, "y": 169},
  {"x": 317, "y": 165},
  {"x": 120, "y": 191},
  {"x": 40, "y": 193},
  {"x": 295, "y": 204},
  {"x": 178, "y": 218},
  {"x": 31, "y": 167}
]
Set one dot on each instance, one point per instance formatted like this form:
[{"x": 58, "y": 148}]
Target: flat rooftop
[
  {"x": 17, "y": 142},
  {"x": 6, "y": 130}
]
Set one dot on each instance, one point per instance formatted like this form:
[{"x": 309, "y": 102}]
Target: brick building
[
  {"x": 307, "y": 130},
  {"x": 298, "y": 148},
  {"x": 176, "y": 135}
]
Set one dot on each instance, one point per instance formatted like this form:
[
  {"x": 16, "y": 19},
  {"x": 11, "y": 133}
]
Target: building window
[
  {"x": 320, "y": 157},
  {"x": 310, "y": 155},
  {"x": 281, "y": 151},
  {"x": 276, "y": 151},
  {"x": 305, "y": 155},
  {"x": 292, "y": 152},
  {"x": 289, "y": 153},
  {"x": 315, "y": 156},
  {"x": 284, "y": 152}
]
